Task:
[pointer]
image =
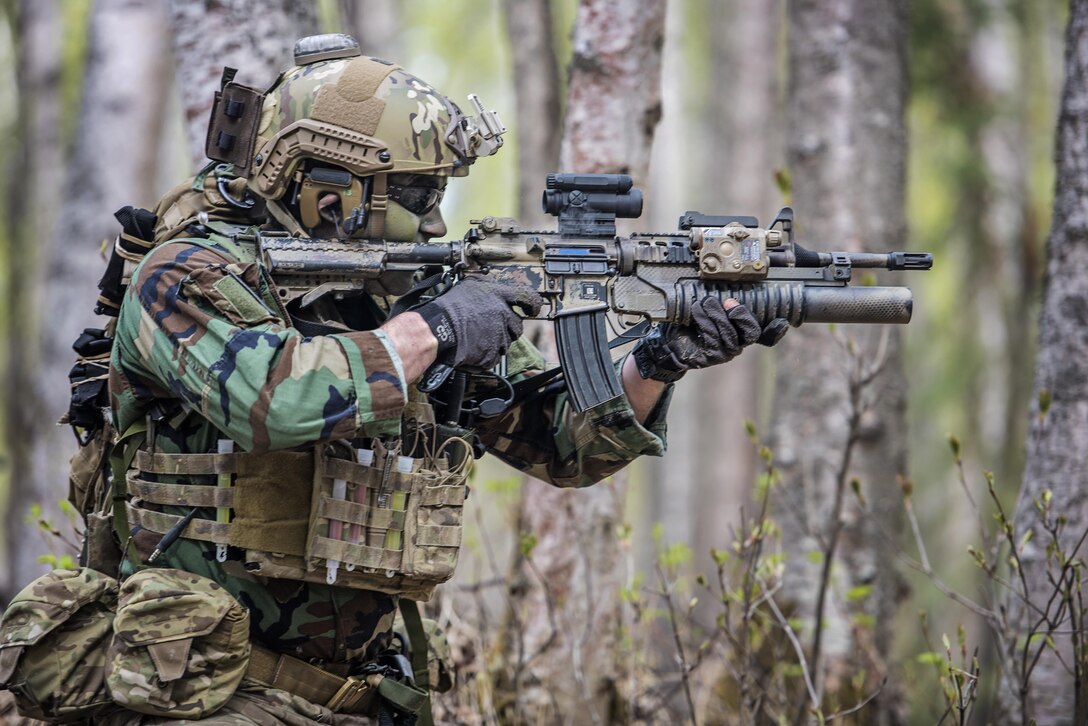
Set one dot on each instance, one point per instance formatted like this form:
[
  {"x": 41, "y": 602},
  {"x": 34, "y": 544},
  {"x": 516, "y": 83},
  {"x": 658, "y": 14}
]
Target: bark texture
[
  {"x": 112, "y": 163},
  {"x": 570, "y": 624},
  {"x": 37, "y": 167},
  {"x": 257, "y": 38},
  {"x": 1058, "y": 438},
  {"x": 847, "y": 155},
  {"x": 536, "y": 85}
]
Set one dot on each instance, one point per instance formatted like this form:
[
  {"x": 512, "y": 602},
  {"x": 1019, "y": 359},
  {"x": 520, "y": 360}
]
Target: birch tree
[
  {"x": 112, "y": 163},
  {"x": 840, "y": 403},
  {"x": 1047, "y": 601},
  {"x": 570, "y": 619},
  {"x": 39, "y": 161},
  {"x": 257, "y": 38}
]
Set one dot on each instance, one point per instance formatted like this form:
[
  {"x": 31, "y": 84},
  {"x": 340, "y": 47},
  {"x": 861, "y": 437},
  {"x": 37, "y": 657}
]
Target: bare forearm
[
  {"x": 641, "y": 392},
  {"x": 414, "y": 342}
]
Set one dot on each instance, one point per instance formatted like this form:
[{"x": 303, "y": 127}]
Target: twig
[
  {"x": 684, "y": 672},
  {"x": 859, "y": 706},
  {"x": 798, "y": 649}
]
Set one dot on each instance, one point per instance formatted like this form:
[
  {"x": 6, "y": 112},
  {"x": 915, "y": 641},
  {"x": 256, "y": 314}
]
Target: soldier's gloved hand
[
  {"x": 474, "y": 321},
  {"x": 715, "y": 335}
]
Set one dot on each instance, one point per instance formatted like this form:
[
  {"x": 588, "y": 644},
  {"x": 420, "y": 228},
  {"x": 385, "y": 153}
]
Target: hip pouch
[
  {"x": 180, "y": 646},
  {"x": 53, "y": 642}
]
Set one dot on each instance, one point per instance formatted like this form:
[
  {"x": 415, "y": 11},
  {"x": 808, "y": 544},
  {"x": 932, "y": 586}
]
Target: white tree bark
[
  {"x": 847, "y": 153},
  {"x": 112, "y": 163},
  {"x": 29, "y": 222},
  {"x": 1059, "y": 431},
  {"x": 257, "y": 38}
]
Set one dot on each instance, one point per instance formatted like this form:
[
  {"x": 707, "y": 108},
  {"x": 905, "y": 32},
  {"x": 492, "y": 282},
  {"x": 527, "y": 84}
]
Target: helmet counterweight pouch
[{"x": 232, "y": 131}]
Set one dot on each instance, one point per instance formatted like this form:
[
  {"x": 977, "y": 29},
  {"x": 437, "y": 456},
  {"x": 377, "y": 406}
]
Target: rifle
[{"x": 584, "y": 271}]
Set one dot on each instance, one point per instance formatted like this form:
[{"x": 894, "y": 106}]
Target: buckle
[{"x": 349, "y": 695}]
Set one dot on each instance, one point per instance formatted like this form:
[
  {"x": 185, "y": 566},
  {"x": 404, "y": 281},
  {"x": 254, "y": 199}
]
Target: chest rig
[
  {"x": 371, "y": 514},
  {"x": 385, "y": 515}
]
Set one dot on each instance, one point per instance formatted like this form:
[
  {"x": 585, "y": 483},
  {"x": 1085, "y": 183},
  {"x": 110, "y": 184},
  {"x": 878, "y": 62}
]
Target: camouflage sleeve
[
  {"x": 207, "y": 329},
  {"x": 547, "y": 439}
]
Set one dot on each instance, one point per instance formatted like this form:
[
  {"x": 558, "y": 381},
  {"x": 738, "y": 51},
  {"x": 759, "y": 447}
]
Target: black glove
[
  {"x": 474, "y": 321},
  {"x": 715, "y": 335}
]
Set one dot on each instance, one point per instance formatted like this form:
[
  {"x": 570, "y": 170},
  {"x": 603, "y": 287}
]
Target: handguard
[{"x": 584, "y": 356}]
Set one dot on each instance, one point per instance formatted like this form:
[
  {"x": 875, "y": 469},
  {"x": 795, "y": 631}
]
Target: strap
[
  {"x": 411, "y": 298},
  {"x": 345, "y": 510},
  {"x": 205, "y": 530},
  {"x": 179, "y": 495},
  {"x": 417, "y": 638},
  {"x": 188, "y": 464},
  {"x": 305, "y": 680},
  {"x": 340, "y": 695},
  {"x": 362, "y": 555},
  {"x": 379, "y": 202},
  {"x": 120, "y": 461}
]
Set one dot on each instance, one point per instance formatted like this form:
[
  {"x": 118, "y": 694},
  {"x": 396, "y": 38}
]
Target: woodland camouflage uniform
[{"x": 204, "y": 349}]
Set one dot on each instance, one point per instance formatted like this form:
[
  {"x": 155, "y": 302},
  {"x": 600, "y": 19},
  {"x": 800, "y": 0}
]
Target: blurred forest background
[{"x": 830, "y": 497}]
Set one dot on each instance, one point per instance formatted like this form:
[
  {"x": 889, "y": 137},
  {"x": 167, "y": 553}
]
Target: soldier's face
[{"x": 413, "y": 214}]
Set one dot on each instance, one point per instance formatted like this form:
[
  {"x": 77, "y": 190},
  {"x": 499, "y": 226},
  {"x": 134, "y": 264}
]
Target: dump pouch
[
  {"x": 53, "y": 642},
  {"x": 180, "y": 646}
]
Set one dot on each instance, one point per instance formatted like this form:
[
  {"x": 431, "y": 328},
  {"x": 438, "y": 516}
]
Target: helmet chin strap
[
  {"x": 379, "y": 202},
  {"x": 280, "y": 214}
]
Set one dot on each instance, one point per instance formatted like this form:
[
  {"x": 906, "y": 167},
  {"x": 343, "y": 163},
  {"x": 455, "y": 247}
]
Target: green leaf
[
  {"x": 1045, "y": 399},
  {"x": 864, "y": 620},
  {"x": 858, "y": 592},
  {"x": 528, "y": 544}
]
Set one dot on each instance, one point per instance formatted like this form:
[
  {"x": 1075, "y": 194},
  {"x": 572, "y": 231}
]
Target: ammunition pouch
[
  {"x": 53, "y": 645},
  {"x": 180, "y": 646},
  {"x": 385, "y": 521}
]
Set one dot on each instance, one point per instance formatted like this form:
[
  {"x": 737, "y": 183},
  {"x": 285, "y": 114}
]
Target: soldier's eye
[{"x": 417, "y": 200}]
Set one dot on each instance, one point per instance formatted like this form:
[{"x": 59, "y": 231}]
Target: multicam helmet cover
[
  {"x": 334, "y": 127},
  {"x": 368, "y": 116}
]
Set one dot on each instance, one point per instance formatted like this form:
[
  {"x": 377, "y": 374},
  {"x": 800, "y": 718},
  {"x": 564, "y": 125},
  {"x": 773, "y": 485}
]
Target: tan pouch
[
  {"x": 390, "y": 530},
  {"x": 180, "y": 646},
  {"x": 53, "y": 642},
  {"x": 87, "y": 471}
]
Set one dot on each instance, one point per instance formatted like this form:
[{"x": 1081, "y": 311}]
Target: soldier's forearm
[
  {"x": 414, "y": 342},
  {"x": 643, "y": 393}
]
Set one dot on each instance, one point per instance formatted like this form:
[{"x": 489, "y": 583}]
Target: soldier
[{"x": 280, "y": 482}]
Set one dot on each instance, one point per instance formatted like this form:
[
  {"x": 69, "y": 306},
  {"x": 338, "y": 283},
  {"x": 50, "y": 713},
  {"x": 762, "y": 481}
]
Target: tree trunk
[
  {"x": 613, "y": 107},
  {"x": 1059, "y": 431},
  {"x": 38, "y": 157},
  {"x": 377, "y": 25},
  {"x": 536, "y": 84},
  {"x": 207, "y": 37},
  {"x": 847, "y": 153},
  {"x": 113, "y": 163}
]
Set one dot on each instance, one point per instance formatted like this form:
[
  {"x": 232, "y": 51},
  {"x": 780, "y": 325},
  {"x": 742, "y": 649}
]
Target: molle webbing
[{"x": 395, "y": 530}]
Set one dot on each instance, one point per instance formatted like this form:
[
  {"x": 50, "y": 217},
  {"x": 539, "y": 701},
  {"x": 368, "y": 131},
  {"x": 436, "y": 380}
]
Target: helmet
[{"x": 341, "y": 123}]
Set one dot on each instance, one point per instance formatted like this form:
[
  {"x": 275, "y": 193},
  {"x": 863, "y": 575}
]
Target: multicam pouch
[
  {"x": 53, "y": 641},
  {"x": 180, "y": 646},
  {"x": 392, "y": 525}
]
